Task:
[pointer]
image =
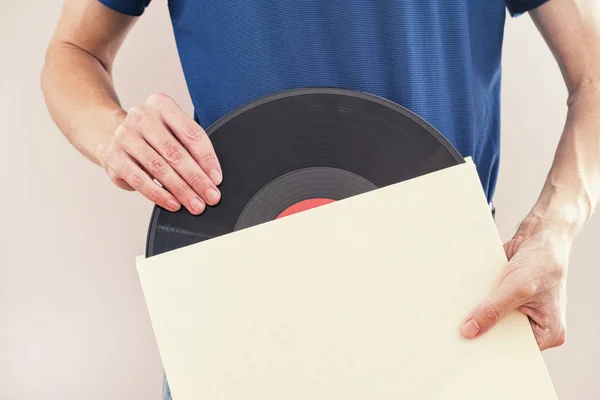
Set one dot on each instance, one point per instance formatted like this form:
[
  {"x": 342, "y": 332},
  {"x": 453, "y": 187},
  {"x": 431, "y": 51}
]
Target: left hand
[{"x": 534, "y": 283}]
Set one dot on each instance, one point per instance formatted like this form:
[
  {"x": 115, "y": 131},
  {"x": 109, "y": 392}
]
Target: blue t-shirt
[{"x": 438, "y": 58}]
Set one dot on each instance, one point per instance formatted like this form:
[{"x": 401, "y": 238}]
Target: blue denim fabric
[{"x": 166, "y": 390}]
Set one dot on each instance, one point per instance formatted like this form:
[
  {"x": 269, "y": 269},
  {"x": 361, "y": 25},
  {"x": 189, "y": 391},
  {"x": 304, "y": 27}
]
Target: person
[{"x": 439, "y": 58}]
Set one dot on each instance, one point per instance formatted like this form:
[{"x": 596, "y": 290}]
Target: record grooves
[{"x": 301, "y": 148}]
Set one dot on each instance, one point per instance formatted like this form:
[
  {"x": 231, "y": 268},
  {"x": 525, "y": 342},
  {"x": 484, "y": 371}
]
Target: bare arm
[
  {"x": 572, "y": 189},
  {"x": 154, "y": 140},
  {"x": 536, "y": 275},
  {"x": 76, "y": 78}
]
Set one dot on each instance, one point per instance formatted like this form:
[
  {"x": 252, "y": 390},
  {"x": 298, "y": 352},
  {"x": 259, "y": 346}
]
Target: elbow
[
  {"x": 45, "y": 73},
  {"x": 53, "y": 57}
]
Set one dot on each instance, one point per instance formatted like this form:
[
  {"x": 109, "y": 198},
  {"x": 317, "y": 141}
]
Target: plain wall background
[{"x": 73, "y": 323}]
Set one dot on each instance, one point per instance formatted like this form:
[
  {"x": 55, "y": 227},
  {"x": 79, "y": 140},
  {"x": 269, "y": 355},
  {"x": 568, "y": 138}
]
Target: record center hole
[{"x": 303, "y": 206}]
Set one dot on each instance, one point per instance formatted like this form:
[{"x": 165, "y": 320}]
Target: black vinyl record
[{"x": 301, "y": 148}]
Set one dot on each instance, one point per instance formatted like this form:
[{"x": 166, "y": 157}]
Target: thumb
[{"x": 492, "y": 310}]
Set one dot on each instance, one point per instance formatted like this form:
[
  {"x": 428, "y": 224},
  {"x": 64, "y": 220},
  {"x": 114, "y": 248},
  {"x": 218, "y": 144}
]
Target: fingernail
[
  {"x": 197, "y": 205},
  {"x": 212, "y": 196},
  {"x": 215, "y": 176},
  {"x": 173, "y": 205},
  {"x": 470, "y": 329}
]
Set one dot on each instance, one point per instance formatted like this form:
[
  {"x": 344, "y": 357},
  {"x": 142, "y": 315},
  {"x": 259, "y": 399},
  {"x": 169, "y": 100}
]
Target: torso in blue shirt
[{"x": 438, "y": 58}]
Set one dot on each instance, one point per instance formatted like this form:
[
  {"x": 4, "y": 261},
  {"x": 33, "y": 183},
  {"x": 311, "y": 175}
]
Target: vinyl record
[{"x": 299, "y": 149}]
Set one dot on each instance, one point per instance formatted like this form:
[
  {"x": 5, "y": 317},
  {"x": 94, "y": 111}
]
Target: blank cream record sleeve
[{"x": 360, "y": 299}]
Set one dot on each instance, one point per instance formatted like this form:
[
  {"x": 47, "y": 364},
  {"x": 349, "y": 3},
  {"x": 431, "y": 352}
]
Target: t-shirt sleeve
[
  {"x": 134, "y": 8},
  {"x": 518, "y": 7}
]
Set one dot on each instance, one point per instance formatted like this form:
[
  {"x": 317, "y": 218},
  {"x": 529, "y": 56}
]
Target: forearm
[
  {"x": 572, "y": 188},
  {"x": 81, "y": 98}
]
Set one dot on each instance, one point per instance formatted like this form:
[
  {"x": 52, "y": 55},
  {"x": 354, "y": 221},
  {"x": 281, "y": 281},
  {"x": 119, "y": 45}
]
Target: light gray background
[{"x": 73, "y": 323}]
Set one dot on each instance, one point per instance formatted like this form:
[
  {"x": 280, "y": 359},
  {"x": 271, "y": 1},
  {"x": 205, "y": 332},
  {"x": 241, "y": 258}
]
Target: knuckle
[
  {"x": 121, "y": 133},
  {"x": 134, "y": 116},
  {"x": 135, "y": 111},
  {"x": 197, "y": 180},
  {"x": 158, "y": 99},
  {"x": 193, "y": 131},
  {"x": 156, "y": 167},
  {"x": 208, "y": 159},
  {"x": 135, "y": 180},
  {"x": 180, "y": 191},
  {"x": 155, "y": 195},
  {"x": 490, "y": 313},
  {"x": 173, "y": 152}
]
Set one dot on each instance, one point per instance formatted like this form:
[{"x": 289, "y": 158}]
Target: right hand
[{"x": 159, "y": 141}]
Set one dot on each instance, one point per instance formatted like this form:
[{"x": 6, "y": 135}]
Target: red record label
[{"x": 303, "y": 206}]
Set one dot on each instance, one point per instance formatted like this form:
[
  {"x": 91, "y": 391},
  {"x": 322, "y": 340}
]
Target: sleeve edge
[
  {"x": 520, "y": 8},
  {"x": 125, "y": 8}
]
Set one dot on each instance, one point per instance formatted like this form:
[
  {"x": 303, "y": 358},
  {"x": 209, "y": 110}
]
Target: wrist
[
  {"x": 100, "y": 146},
  {"x": 559, "y": 211}
]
